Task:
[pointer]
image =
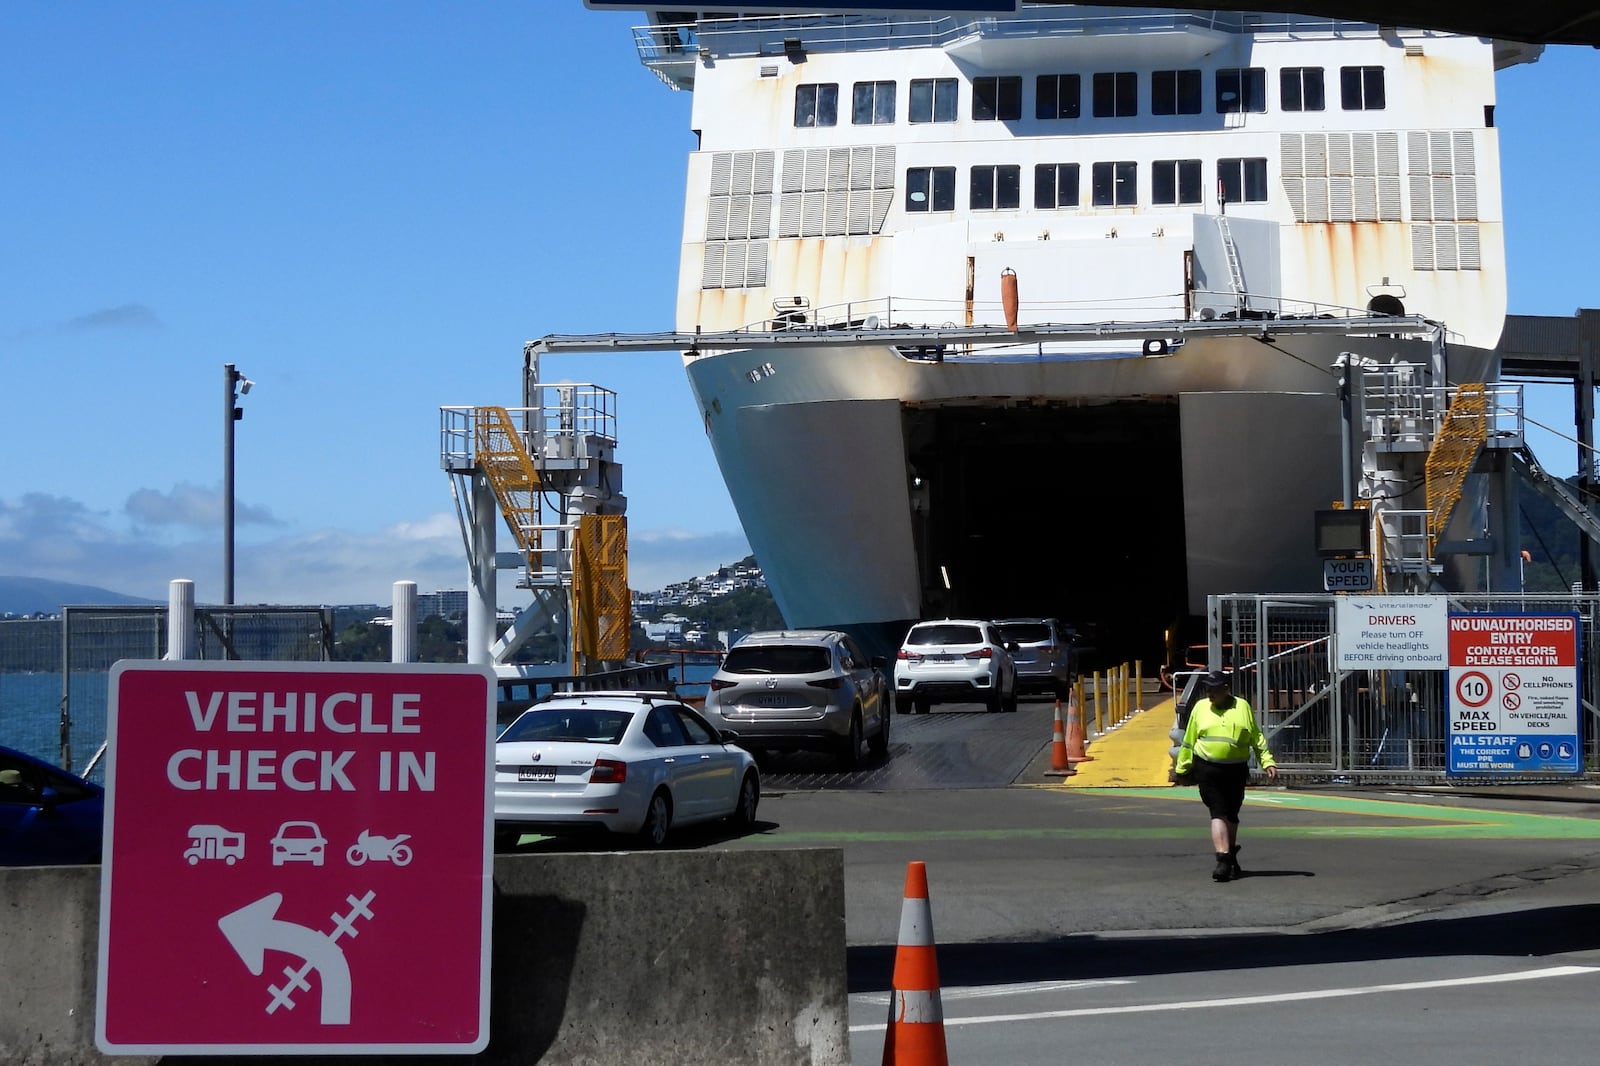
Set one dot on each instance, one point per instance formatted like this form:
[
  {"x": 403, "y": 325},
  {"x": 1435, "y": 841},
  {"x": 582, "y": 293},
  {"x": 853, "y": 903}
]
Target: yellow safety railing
[
  {"x": 1460, "y": 440},
  {"x": 509, "y": 469}
]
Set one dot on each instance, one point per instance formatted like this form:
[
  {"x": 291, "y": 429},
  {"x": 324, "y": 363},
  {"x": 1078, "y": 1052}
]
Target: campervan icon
[{"x": 214, "y": 842}]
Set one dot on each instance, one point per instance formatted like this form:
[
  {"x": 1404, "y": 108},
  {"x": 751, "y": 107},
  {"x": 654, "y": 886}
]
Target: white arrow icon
[{"x": 254, "y": 928}]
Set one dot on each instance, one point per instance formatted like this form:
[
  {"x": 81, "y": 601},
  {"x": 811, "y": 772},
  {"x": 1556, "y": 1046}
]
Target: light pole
[{"x": 234, "y": 385}]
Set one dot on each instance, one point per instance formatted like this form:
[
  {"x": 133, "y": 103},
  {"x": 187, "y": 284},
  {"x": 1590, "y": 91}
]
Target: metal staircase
[
  {"x": 509, "y": 469},
  {"x": 1455, "y": 449},
  {"x": 550, "y": 470},
  {"x": 1557, "y": 492}
]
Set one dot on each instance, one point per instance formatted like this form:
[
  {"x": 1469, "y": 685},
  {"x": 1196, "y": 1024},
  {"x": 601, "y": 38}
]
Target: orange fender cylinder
[{"x": 1008, "y": 297}]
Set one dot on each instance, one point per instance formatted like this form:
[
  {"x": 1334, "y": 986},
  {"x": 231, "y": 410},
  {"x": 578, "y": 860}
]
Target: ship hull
[{"x": 1125, "y": 488}]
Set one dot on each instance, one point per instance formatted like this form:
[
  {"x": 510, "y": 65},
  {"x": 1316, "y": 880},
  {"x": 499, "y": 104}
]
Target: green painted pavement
[{"x": 1393, "y": 819}]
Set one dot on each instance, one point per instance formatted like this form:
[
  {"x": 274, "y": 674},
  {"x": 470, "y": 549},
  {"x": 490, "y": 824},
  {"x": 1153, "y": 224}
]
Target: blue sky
[{"x": 368, "y": 207}]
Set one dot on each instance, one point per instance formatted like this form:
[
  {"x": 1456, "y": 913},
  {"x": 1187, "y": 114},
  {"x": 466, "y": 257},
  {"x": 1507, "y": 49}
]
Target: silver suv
[
  {"x": 802, "y": 690},
  {"x": 954, "y": 660},
  {"x": 1046, "y": 656}
]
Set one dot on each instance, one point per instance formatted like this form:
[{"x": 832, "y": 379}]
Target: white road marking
[
  {"x": 988, "y": 991},
  {"x": 1247, "y": 1001}
]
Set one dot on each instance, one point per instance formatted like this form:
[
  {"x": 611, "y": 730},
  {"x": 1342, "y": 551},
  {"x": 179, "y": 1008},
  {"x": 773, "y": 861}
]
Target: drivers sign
[{"x": 297, "y": 858}]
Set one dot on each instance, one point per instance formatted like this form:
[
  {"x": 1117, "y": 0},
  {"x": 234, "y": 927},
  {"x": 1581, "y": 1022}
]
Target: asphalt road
[{"x": 1083, "y": 923}]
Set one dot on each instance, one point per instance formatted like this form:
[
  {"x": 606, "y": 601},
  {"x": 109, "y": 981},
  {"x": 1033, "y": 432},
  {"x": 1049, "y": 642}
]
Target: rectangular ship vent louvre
[
  {"x": 770, "y": 70},
  {"x": 1467, "y": 242},
  {"x": 1413, "y": 49}
]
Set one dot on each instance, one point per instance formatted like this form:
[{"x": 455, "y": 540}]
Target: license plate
[
  {"x": 769, "y": 701},
  {"x": 536, "y": 773}
]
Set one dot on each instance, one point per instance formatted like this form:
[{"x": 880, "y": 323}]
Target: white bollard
[
  {"x": 180, "y": 619},
  {"x": 403, "y": 631}
]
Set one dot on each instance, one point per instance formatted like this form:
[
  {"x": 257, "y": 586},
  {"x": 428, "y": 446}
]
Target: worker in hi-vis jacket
[{"x": 1215, "y": 755}]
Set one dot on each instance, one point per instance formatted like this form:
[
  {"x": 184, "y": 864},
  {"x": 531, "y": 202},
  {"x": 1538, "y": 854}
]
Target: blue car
[{"x": 48, "y": 817}]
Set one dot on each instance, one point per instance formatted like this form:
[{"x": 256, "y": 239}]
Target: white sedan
[{"x": 630, "y": 762}]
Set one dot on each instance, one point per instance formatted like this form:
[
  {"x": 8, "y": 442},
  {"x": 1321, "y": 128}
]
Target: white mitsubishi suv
[{"x": 954, "y": 660}]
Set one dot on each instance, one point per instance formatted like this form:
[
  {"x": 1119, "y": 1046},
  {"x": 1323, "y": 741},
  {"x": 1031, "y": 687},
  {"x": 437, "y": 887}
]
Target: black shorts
[{"x": 1222, "y": 787}]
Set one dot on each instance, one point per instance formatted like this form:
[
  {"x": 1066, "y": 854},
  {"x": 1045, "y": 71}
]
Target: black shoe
[
  {"x": 1233, "y": 863},
  {"x": 1224, "y": 870}
]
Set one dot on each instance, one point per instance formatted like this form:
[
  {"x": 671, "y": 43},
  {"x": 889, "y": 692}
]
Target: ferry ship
[{"x": 1059, "y": 311}]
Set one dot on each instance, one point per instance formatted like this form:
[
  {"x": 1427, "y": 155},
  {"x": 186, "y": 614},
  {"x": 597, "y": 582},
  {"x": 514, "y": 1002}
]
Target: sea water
[{"x": 31, "y": 714}]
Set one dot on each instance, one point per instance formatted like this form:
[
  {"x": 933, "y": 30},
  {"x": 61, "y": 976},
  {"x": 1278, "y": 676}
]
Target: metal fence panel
[
  {"x": 54, "y": 673},
  {"x": 1374, "y": 726}
]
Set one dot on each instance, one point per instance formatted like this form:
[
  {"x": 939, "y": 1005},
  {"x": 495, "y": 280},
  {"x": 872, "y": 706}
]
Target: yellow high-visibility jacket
[{"x": 1226, "y": 735}]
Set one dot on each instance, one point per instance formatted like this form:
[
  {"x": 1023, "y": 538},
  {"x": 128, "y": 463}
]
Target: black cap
[{"x": 1215, "y": 679}]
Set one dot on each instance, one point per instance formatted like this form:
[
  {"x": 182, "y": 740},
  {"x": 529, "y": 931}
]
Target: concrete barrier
[{"x": 643, "y": 958}]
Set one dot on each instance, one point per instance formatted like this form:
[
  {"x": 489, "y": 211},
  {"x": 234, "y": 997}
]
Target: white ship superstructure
[{"x": 1048, "y": 311}]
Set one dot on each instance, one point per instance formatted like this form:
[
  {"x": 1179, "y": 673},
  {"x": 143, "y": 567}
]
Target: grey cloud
[
  {"x": 124, "y": 316},
  {"x": 191, "y": 505},
  {"x": 62, "y": 539}
]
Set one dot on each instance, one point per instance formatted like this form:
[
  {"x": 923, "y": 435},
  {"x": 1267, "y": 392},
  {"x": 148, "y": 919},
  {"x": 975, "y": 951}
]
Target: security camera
[{"x": 246, "y": 386}]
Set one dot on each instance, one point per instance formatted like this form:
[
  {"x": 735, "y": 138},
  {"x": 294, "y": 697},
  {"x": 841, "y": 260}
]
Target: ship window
[
  {"x": 1116, "y": 95},
  {"x": 1175, "y": 92},
  {"x": 873, "y": 104},
  {"x": 1361, "y": 88},
  {"x": 1057, "y": 96},
  {"x": 816, "y": 105},
  {"x": 996, "y": 188},
  {"x": 931, "y": 189},
  {"x": 1115, "y": 184},
  {"x": 1300, "y": 88},
  {"x": 1055, "y": 185},
  {"x": 997, "y": 99},
  {"x": 1242, "y": 180},
  {"x": 933, "y": 100},
  {"x": 1175, "y": 181},
  {"x": 1241, "y": 89}
]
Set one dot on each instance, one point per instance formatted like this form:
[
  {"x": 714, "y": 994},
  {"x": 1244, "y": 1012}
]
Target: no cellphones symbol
[{"x": 1512, "y": 682}]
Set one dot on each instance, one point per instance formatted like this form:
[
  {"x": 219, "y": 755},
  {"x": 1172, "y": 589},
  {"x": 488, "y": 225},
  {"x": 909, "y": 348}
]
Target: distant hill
[{"x": 33, "y": 595}]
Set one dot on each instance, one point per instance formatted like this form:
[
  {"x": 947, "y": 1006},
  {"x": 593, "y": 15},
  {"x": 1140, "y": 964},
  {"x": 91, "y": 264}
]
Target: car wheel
[
  {"x": 850, "y": 754},
  {"x": 902, "y": 705},
  {"x": 1011, "y": 698},
  {"x": 657, "y": 820},
  {"x": 994, "y": 704},
  {"x": 744, "y": 815},
  {"x": 879, "y": 744},
  {"x": 922, "y": 704}
]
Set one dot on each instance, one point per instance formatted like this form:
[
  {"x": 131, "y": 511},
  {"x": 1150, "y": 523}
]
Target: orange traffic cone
[
  {"x": 1060, "y": 765},
  {"x": 1075, "y": 740},
  {"x": 916, "y": 1017}
]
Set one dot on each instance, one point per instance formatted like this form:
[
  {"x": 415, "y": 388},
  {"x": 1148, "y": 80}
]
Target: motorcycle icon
[{"x": 379, "y": 849}]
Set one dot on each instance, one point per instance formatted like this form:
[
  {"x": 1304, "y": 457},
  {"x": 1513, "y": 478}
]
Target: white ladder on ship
[{"x": 1235, "y": 274}]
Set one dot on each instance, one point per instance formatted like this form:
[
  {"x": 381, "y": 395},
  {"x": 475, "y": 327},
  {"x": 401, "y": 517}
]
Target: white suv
[{"x": 954, "y": 660}]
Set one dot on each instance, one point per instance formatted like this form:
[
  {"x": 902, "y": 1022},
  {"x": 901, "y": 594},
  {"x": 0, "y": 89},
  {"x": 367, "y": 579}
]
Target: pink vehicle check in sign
[{"x": 297, "y": 859}]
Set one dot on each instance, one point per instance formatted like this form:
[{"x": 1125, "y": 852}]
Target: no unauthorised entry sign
[
  {"x": 297, "y": 859},
  {"x": 1513, "y": 693}
]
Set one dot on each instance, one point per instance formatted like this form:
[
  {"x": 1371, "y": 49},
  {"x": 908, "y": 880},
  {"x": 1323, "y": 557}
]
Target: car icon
[{"x": 299, "y": 841}]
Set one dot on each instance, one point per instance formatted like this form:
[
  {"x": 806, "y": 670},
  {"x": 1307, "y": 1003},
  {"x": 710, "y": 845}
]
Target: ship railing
[
  {"x": 672, "y": 50},
  {"x": 912, "y": 313},
  {"x": 1403, "y": 413},
  {"x": 568, "y": 421}
]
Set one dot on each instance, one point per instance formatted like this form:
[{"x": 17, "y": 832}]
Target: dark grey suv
[{"x": 1046, "y": 657}]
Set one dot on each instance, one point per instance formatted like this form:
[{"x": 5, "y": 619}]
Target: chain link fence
[
  {"x": 1372, "y": 726},
  {"x": 55, "y": 673}
]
